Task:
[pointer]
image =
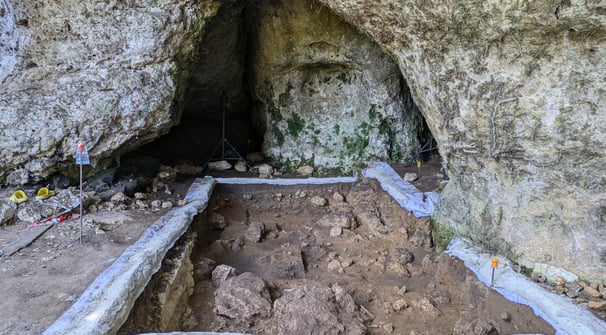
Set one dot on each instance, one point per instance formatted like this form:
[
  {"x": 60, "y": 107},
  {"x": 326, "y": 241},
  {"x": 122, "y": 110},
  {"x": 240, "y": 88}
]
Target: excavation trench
[
  {"x": 357, "y": 264},
  {"x": 266, "y": 260}
]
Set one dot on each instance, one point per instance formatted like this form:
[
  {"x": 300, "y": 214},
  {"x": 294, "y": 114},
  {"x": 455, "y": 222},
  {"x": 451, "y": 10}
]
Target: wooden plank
[{"x": 31, "y": 234}]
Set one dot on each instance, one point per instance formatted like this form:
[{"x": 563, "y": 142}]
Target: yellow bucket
[
  {"x": 44, "y": 193},
  {"x": 18, "y": 197}
]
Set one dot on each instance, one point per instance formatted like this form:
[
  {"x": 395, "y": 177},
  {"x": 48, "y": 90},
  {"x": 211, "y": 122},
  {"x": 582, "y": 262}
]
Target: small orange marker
[
  {"x": 419, "y": 167},
  {"x": 494, "y": 263}
]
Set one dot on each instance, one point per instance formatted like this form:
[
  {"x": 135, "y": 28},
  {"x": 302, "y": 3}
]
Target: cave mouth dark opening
[
  {"x": 221, "y": 85},
  {"x": 217, "y": 97}
]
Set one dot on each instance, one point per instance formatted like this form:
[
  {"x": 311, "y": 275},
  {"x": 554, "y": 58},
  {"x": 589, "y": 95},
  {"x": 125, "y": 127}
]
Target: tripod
[{"x": 224, "y": 141}]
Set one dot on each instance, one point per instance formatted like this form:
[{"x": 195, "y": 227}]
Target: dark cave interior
[{"x": 220, "y": 87}]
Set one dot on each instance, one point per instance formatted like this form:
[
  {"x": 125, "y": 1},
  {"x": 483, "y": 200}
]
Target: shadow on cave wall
[{"x": 220, "y": 84}]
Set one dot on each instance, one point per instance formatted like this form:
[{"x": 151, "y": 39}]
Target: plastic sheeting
[
  {"x": 287, "y": 181},
  {"x": 421, "y": 204},
  {"x": 105, "y": 304},
  {"x": 559, "y": 311}
]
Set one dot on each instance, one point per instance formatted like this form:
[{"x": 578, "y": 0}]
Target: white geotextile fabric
[
  {"x": 105, "y": 304},
  {"x": 421, "y": 204},
  {"x": 559, "y": 311},
  {"x": 287, "y": 181}
]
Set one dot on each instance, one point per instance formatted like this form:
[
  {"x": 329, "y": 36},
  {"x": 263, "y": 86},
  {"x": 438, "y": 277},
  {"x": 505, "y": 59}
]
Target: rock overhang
[{"x": 460, "y": 59}]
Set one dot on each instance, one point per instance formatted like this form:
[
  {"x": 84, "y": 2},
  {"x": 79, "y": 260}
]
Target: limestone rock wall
[
  {"x": 327, "y": 95},
  {"x": 108, "y": 72},
  {"x": 514, "y": 93}
]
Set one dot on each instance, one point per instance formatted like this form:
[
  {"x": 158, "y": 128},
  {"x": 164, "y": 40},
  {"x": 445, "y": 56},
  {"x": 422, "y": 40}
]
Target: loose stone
[
  {"x": 399, "y": 305},
  {"x": 338, "y": 197},
  {"x": 599, "y": 306},
  {"x": 305, "y": 170},
  {"x": 255, "y": 231},
  {"x": 336, "y": 231},
  {"x": 319, "y": 201},
  {"x": 241, "y": 166},
  {"x": 220, "y": 165}
]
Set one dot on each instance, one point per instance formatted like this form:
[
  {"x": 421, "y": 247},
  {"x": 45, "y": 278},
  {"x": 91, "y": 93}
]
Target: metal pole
[
  {"x": 81, "y": 202},
  {"x": 494, "y": 262},
  {"x": 223, "y": 127}
]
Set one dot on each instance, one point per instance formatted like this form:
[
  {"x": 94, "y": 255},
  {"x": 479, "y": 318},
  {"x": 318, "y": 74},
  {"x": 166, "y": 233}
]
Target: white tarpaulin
[
  {"x": 421, "y": 204},
  {"x": 559, "y": 311}
]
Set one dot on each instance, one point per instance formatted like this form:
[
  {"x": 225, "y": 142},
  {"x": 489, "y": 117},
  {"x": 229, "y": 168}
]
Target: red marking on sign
[{"x": 80, "y": 146}]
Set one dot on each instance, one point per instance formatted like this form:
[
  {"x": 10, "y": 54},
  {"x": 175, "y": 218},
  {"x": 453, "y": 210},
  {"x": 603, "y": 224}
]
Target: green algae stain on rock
[
  {"x": 278, "y": 135},
  {"x": 295, "y": 125}
]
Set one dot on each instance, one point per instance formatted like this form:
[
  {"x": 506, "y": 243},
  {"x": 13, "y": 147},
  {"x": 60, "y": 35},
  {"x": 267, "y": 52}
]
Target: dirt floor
[
  {"x": 357, "y": 264},
  {"x": 41, "y": 281}
]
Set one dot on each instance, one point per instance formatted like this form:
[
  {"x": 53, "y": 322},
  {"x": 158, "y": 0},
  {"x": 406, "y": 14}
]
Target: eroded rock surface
[
  {"x": 512, "y": 93},
  {"x": 106, "y": 72},
  {"x": 327, "y": 94}
]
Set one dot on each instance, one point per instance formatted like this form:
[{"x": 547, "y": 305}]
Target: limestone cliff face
[
  {"x": 103, "y": 71},
  {"x": 514, "y": 93},
  {"x": 327, "y": 95}
]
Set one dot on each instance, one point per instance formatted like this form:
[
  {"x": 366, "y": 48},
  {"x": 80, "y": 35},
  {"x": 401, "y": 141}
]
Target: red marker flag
[{"x": 82, "y": 157}]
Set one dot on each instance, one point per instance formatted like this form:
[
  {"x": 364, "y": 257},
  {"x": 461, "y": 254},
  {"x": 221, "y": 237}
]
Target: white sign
[{"x": 82, "y": 157}]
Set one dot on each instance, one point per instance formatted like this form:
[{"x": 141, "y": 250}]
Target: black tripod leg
[
  {"x": 210, "y": 158},
  {"x": 238, "y": 154}
]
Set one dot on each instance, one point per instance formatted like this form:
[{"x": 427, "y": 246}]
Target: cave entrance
[
  {"x": 218, "y": 88},
  {"x": 298, "y": 83}
]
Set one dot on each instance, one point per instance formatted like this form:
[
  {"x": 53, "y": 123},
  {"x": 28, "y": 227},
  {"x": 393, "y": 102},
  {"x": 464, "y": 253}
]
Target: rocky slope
[{"x": 512, "y": 92}]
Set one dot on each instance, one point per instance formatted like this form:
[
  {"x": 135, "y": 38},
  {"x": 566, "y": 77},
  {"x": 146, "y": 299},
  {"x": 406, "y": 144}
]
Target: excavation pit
[
  {"x": 333, "y": 255},
  {"x": 327, "y": 259}
]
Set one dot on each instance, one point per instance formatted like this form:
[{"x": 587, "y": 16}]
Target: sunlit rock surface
[{"x": 514, "y": 93}]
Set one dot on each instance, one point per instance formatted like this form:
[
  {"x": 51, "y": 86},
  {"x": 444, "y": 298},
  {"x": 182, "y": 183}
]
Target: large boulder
[
  {"x": 243, "y": 298},
  {"x": 513, "y": 93},
  {"x": 312, "y": 308},
  {"x": 107, "y": 72},
  {"x": 327, "y": 95}
]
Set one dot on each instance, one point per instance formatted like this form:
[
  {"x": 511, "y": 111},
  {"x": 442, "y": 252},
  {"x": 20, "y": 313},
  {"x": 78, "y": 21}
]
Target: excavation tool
[{"x": 223, "y": 141}]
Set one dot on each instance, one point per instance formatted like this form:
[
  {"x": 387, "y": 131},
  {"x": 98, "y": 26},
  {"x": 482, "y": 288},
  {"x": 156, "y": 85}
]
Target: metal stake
[
  {"x": 81, "y": 197},
  {"x": 494, "y": 263}
]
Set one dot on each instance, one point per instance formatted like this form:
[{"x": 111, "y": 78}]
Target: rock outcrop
[
  {"x": 511, "y": 91},
  {"x": 513, "y": 94},
  {"x": 108, "y": 72},
  {"x": 327, "y": 95}
]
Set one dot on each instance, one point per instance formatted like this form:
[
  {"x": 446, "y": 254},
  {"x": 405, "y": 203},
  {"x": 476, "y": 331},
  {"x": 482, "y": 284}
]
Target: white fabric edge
[
  {"x": 420, "y": 204},
  {"x": 559, "y": 311},
  {"x": 105, "y": 305}
]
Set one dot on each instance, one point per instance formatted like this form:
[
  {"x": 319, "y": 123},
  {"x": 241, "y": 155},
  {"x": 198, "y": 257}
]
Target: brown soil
[
  {"x": 399, "y": 284},
  {"x": 43, "y": 280}
]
